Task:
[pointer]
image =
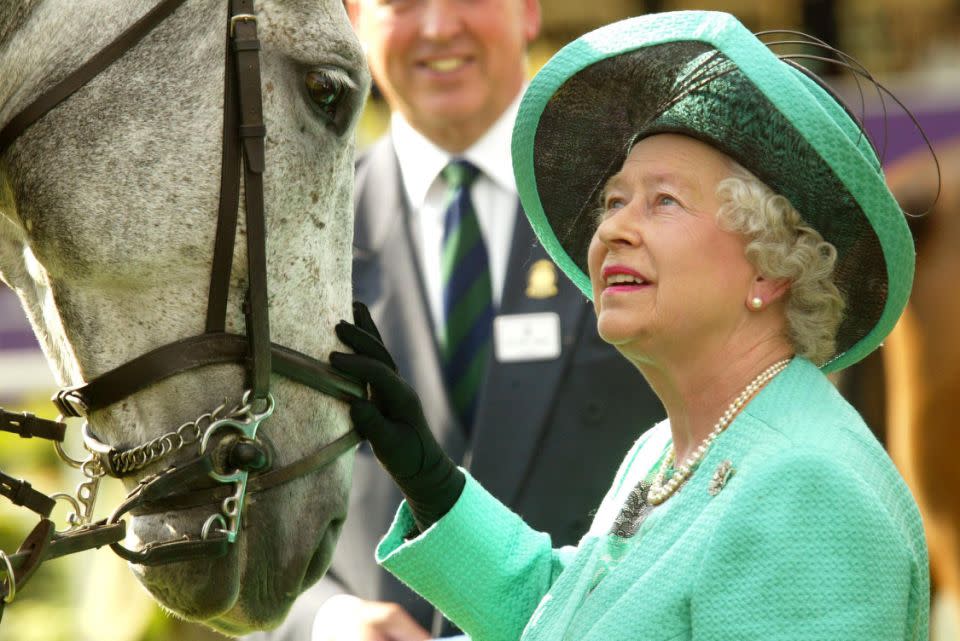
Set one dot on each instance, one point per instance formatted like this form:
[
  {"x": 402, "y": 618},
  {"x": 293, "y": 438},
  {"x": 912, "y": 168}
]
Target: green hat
[{"x": 703, "y": 74}]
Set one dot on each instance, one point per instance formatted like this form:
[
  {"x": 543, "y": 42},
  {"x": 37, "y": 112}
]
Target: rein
[{"x": 229, "y": 450}]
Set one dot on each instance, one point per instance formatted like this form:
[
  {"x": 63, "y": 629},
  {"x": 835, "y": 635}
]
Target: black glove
[{"x": 394, "y": 424}]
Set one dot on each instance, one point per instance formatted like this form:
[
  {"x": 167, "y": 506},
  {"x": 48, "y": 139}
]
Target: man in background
[{"x": 502, "y": 350}]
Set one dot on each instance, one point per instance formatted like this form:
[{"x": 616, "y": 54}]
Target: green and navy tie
[{"x": 467, "y": 295}]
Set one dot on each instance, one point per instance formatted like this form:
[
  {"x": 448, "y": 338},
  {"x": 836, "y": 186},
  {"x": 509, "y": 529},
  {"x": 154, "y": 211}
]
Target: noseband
[{"x": 229, "y": 450}]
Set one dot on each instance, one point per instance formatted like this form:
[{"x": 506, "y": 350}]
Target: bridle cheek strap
[{"x": 252, "y": 133}]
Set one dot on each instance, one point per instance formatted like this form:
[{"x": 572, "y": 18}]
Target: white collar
[{"x": 421, "y": 161}]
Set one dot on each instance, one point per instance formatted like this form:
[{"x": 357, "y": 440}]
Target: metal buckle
[
  {"x": 240, "y": 17},
  {"x": 69, "y": 403}
]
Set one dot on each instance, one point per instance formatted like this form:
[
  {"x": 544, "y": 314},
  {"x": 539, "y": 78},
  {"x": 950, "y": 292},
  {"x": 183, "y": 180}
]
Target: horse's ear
[{"x": 13, "y": 14}]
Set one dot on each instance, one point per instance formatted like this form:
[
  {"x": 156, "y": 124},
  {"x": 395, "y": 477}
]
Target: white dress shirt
[{"x": 494, "y": 196}]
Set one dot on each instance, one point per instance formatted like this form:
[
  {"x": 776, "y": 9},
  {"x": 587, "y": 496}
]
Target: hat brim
[{"x": 590, "y": 102}]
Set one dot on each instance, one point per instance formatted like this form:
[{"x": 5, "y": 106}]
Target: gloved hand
[{"x": 394, "y": 424}]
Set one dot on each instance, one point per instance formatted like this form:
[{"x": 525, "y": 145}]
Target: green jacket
[{"x": 813, "y": 535}]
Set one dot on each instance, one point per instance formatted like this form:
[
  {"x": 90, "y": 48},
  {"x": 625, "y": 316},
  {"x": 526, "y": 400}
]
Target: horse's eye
[{"x": 328, "y": 91}]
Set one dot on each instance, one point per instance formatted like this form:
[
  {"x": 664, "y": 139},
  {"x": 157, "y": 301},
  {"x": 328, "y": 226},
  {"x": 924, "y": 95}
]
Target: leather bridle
[{"x": 227, "y": 440}]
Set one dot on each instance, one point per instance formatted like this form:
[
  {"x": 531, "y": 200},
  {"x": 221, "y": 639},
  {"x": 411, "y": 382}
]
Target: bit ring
[{"x": 11, "y": 578}]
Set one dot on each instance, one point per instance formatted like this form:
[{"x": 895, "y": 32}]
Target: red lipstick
[{"x": 623, "y": 279}]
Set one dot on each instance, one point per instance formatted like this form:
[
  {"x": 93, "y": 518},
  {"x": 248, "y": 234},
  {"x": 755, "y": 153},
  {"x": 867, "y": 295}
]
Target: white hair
[{"x": 781, "y": 245}]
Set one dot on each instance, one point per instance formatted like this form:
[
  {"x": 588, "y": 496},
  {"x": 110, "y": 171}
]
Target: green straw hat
[{"x": 703, "y": 74}]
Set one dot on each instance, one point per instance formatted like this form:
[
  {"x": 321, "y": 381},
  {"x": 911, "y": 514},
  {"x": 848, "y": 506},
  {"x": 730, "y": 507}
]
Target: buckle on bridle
[
  {"x": 69, "y": 403},
  {"x": 240, "y": 17}
]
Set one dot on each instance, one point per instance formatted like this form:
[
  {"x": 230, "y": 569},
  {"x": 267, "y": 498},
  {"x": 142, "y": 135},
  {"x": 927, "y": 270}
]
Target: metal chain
[{"x": 127, "y": 461}]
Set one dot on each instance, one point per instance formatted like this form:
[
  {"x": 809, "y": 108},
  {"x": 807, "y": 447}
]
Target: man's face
[{"x": 449, "y": 66}]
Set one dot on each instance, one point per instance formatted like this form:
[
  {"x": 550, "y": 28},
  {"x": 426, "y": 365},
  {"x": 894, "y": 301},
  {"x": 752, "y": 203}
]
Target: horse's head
[{"x": 108, "y": 209}]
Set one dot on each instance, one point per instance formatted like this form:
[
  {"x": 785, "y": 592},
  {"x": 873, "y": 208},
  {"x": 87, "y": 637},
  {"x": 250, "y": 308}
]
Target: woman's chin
[{"x": 616, "y": 331}]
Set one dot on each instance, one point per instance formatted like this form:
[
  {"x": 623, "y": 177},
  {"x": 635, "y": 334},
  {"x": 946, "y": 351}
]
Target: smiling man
[
  {"x": 449, "y": 68},
  {"x": 502, "y": 349}
]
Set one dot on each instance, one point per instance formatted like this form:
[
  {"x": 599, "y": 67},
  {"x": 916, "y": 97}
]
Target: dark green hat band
[{"x": 702, "y": 74}]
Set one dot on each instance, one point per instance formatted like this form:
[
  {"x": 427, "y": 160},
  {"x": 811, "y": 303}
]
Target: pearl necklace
[{"x": 660, "y": 491}]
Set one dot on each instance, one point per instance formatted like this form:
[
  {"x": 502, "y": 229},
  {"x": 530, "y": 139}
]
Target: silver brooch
[
  {"x": 635, "y": 509},
  {"x": 720, "y": 477}
]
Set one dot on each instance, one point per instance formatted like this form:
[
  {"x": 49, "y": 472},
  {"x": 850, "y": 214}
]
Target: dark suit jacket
[{"x": 548, "y": 435}]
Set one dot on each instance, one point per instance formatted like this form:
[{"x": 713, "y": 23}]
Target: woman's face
[{"x": 667, "y": 281}]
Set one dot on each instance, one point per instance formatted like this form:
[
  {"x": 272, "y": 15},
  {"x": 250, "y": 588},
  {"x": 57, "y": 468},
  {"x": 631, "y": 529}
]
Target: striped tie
[{"x": 467, "y": 297}]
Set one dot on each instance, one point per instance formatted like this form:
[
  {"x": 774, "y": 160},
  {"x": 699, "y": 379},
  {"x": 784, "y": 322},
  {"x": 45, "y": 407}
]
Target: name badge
[{"x": 526, "y": 337}]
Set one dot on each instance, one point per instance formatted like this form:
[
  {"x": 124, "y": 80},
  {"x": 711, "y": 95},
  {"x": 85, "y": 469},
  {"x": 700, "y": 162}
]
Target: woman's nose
[{"x": 621, "y": 227}]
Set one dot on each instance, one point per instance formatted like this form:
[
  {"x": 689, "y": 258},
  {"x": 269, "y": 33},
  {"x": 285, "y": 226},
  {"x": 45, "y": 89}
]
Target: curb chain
[{"x": 128, "y": 461}]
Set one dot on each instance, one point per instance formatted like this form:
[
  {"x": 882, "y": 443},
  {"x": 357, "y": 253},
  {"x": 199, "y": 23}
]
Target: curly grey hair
[{"x": 781, "y": 245}]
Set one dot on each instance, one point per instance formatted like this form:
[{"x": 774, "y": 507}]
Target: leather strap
[
  {"x": 93, "y": 536},
  {"x": 214, "y": 495},
  {"x": 27, "y": 425},
  {"x": 246, "y": 51},
  {"x": 22, "y": 493},
  {"x": 34, "y": 550},
  {"x": 319, "y": 459},
  {"x": 193, "y": 352},
  {"x": 175, "y": 551},
  {"x": 66, "y": 87},
  {"x": 30, "y": 555},
  {"x": 229, "y": 200}
]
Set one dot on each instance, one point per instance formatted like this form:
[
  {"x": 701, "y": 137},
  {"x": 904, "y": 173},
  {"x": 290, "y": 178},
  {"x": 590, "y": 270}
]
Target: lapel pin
[
  {"x": 720, "y": 477},
  {"x": 542, "y": 280}
]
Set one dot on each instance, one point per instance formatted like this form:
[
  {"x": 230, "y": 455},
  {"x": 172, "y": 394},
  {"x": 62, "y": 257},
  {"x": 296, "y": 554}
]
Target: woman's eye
[
  {"x": 613, "y": 202},
  {"x": 667, "y": 200}
]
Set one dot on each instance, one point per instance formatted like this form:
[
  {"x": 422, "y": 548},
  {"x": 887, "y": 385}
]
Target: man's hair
[{"x": 781, "y": 245}]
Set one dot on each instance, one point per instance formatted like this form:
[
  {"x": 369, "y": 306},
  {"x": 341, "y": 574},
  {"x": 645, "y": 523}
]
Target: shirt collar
[{"x": 421, "y": 161}]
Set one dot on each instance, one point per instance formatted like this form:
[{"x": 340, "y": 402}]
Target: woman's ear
[{"x": 766, "y": 291}]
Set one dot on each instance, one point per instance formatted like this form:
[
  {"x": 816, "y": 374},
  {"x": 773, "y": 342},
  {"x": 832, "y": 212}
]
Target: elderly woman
[{"x": 740, "y": 243}]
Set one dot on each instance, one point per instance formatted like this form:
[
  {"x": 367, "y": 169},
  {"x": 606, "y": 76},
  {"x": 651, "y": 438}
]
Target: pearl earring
[{"x": 756, "y": 302}]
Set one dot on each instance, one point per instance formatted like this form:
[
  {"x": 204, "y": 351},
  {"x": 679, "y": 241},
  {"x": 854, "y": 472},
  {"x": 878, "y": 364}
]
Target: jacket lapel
[
  {"x": 506, "y": 433},
  {"x": 388, "y": 278}
]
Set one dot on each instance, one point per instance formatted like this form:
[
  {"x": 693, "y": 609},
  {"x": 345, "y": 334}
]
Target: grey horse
[{"x": 107, "y": 215}]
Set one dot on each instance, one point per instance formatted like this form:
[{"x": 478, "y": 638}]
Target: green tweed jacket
[{"x": 810, "y": 534}]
